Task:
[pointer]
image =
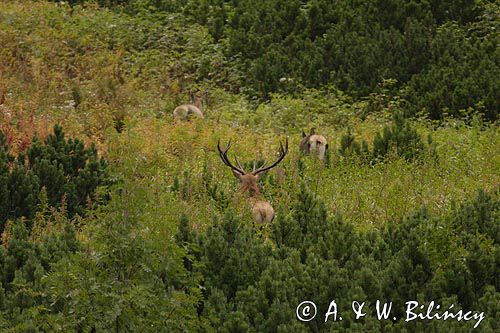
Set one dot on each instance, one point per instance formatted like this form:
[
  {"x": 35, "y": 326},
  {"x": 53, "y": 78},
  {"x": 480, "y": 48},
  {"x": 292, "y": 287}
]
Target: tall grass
[
  {"x": 181, "y": 158},
  {"x": 88, "y": 68}
]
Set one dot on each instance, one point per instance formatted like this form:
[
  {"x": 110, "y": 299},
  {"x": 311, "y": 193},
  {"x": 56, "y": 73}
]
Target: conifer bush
[
  {"x": 65, "y": 169},
  {"x": 41, "y": 190},
  {"x": 251, "y": 287},
  {"x": 399, "y": 137},
  {"x": 25, "y": 259},
  {"x": 350, "y": 147}
]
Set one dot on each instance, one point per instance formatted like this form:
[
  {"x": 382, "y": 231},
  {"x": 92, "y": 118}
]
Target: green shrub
[
  {"x": 69, "y": 173},
  {"x": 319, "y": 257},
  {"x": 25, "y": 258},
  {"x": 350, "y": 147},
  {"x": 400, "y": 136}
]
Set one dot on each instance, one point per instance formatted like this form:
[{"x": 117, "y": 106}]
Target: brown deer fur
[
  {"x": 185, "y": 111},
  {"x": 262, "y": 211}
]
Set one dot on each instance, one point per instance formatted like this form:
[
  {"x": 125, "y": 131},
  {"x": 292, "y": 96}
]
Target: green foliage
[
  {"x": 219, "y": 197},
  {"x": 124, "y": 286},
  {"x": 26, "y": 258},
  {"x": 233, "y": 255},
  {"x": 121, "y": 277},
  {"x": 431, "y": 48},
  {"x": 67, "y": 169},
  {"x": 320, "y": 258},
  {"x": 250, "y": 287},
  {"x": 42, "y": 190},
  {"x": 69, "y": 173},
  {"x": 462, "y": 76},
  {"x": 175, "y": 248},
  {"x": 350, "y": 147},
  {"x": 400, "y": 136},
  {"x": 439, "y": 56}
]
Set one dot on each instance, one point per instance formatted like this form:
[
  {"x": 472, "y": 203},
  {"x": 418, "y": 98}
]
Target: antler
[
  {"x": 225, "y": 159},
  {"x": 283, "y": 152}
]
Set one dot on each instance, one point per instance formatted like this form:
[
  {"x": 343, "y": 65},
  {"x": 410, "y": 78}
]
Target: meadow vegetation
[{"x": 129, "y": 221}]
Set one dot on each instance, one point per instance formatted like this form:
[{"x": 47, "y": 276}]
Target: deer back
[{"x": 186, "y": 110}]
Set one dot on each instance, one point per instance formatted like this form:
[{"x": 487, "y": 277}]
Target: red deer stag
[
  {"x": 185, "y": 111},
  {"x": 313, "y": 142},
  {"x": 262, "y": 211}
]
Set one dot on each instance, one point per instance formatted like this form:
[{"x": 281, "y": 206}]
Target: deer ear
[
  {"x": 303, "y": 134},
  {"x": 236, "y": 174}
]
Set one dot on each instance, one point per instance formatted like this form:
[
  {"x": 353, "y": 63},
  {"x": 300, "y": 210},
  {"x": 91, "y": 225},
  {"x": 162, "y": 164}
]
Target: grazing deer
[
  {"x": 184, "y": 111},
  {"x": 313, "y": 142},
  {"x": 262, "y": 211}
]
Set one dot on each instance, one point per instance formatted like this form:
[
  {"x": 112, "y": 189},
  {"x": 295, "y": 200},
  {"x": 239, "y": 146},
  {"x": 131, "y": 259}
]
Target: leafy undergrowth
[
  {"x": 113, "y": 80},
  {"x": 181, "y": 159},
  {"x": 99, "y": 72}
]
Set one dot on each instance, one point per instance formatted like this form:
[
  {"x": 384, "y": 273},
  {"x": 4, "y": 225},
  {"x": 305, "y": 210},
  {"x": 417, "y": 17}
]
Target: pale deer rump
[
  {"x": 318, "y": 139},
  {"x": 313, "y": 143},
  {"x": 262, "y": 212},
  {"x": 319, "y": 144},
  {"x": 186, "y": 110}
]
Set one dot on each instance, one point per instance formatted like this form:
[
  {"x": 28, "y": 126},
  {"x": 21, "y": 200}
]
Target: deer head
[
  {"x": 199, "y": 99},
  {"x": 248, "y": 180}
]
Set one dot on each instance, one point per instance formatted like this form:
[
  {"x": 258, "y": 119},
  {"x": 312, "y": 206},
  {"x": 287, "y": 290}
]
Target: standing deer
[
  {"x": 262, "y": 211},
  {"x": 313, "y": 142},
  {"x": 184, "y": 111}
]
